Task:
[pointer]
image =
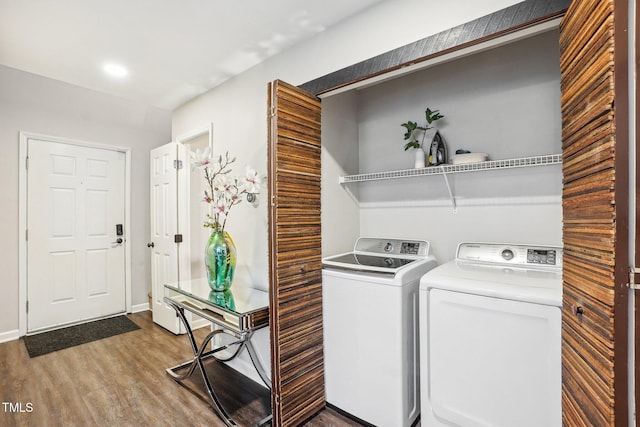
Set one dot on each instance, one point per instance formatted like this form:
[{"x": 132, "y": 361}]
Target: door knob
[
  {"x": 151, "y": 245},
  {"x": 118, "y": 241}
]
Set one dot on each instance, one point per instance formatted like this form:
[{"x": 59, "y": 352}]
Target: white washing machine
[
  {"x": 371, "y": 340},
  {"x": 490, "y": 331}
]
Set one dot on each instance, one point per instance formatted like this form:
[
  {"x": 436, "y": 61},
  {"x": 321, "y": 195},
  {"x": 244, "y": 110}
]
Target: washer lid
[
  {"x": 364, "y": 260},
  {"x": 380, "y": 255}
]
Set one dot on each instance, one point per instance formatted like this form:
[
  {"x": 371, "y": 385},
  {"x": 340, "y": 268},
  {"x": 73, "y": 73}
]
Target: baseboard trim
[
  {"x": 9, "y": 336},
  {"x": 140, "y": 307}
]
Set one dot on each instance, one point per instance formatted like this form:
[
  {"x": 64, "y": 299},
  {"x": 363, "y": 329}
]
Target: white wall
[
  {"x": 35, "y": 104},
  {"x": 238, "y": 108},
  {"x": 504, "y": 102},
  {"x": 340, "y": 208}
]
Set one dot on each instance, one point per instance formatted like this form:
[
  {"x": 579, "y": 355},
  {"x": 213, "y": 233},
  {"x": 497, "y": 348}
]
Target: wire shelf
[{"x": 548, "y": 159}]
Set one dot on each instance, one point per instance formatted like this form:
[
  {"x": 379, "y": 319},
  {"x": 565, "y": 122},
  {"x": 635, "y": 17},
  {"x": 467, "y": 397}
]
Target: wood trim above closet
[{"x": 505, "y": 21}]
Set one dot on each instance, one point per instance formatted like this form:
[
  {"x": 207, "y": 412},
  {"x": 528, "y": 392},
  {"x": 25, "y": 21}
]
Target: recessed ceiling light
[{"x": 115, "y": 70}]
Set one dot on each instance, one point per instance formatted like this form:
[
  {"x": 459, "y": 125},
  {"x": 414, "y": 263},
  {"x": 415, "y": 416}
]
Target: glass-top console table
[{"x": 236, "y": 313}]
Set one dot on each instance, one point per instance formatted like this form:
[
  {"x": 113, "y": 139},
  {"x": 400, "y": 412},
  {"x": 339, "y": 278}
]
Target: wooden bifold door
[
  {"x": 297, "y": 359},
  {"x": 593, "y": 63}
]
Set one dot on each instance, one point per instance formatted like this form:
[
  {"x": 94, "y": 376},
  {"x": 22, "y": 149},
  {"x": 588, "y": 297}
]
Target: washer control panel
[
  {"x": 411, "y": 248},
  {"x": 542, "y": 256},
  {"x": 507, "y": 254},
  {"x": 512, "y": 254}
]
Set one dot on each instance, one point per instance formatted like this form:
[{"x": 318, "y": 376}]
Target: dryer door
[{"x": 490, "y": 362}]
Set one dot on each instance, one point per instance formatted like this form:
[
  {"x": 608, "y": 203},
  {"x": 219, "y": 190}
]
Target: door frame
[
  {"x": 184, "y": 216},
  {"x": 22, "y": 217}
]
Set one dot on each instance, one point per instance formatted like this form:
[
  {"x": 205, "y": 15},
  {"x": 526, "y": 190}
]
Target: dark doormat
[{"x": 51, "y": 341}]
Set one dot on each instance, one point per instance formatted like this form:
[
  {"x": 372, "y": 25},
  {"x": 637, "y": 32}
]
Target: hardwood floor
[{"x": 121, "y": 381}]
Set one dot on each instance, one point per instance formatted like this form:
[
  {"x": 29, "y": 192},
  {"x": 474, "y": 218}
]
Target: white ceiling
[{"x": 174, "y": 50}]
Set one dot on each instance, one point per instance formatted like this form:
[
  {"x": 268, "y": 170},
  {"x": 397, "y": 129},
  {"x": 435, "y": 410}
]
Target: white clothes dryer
[
  {"x": 371, "y": 339},
  {"x": 490, "y": 338}
]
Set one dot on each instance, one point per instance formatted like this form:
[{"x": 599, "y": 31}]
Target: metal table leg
[
  {"x": 256, "y": 364},
  {"x": 266, "y": 420},
  {"x": 200, "y": 355}
]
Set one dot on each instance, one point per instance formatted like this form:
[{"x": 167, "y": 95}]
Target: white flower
[
  {"x": 224, "y": 191},
  {"x": 200, "y": 159},
  {"x": 252, "y": 181},
  {"x": 221, "y": 186},
  {"x": 221, "y": 208}
]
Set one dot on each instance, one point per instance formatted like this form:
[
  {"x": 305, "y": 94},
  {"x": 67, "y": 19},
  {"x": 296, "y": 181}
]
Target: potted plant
[{"x": 412, "y": 128}]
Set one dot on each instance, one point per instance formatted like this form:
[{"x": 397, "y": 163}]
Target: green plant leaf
[
  {"x": 432, "y": 115},
  {"x": 410, "y": 126}
]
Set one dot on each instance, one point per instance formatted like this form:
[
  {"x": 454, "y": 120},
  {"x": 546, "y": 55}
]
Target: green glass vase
[
  {"x": 223, "y": 299},
  {"x": 220, "y": 259}
]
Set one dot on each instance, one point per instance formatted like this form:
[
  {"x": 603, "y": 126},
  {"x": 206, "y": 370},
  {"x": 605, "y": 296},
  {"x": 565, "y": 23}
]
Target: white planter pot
[{"x": 419, "y": 159}]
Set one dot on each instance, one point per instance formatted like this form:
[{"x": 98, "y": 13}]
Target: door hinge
[
  {"x": 632, "y": 278},
  {"x": 177, "y": 164},
  {"x": 26, "y": 162},
  {"x": 26, "y": 235},
  {"x": 177, "y": 238},
  {"x": 27, "y": 307}
]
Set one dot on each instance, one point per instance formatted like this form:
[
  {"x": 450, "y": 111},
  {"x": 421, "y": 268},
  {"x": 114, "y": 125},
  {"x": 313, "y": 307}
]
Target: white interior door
[
  {"x": 165, "y": 253},
  {"x": 75, "y": 264}
]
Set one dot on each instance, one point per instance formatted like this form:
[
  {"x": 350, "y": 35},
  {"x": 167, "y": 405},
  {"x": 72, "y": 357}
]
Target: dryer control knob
[{"x": 507, "y": 254}]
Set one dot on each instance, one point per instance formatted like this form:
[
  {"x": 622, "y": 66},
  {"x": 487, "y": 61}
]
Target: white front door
[
  {"x": 75, "y": 208},
  {"x": 164, "y": 206}
]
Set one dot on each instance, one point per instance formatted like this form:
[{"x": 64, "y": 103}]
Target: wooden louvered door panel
[
  {"x": 594, "y": 84},
  {"x": 297, "y": 357}
]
